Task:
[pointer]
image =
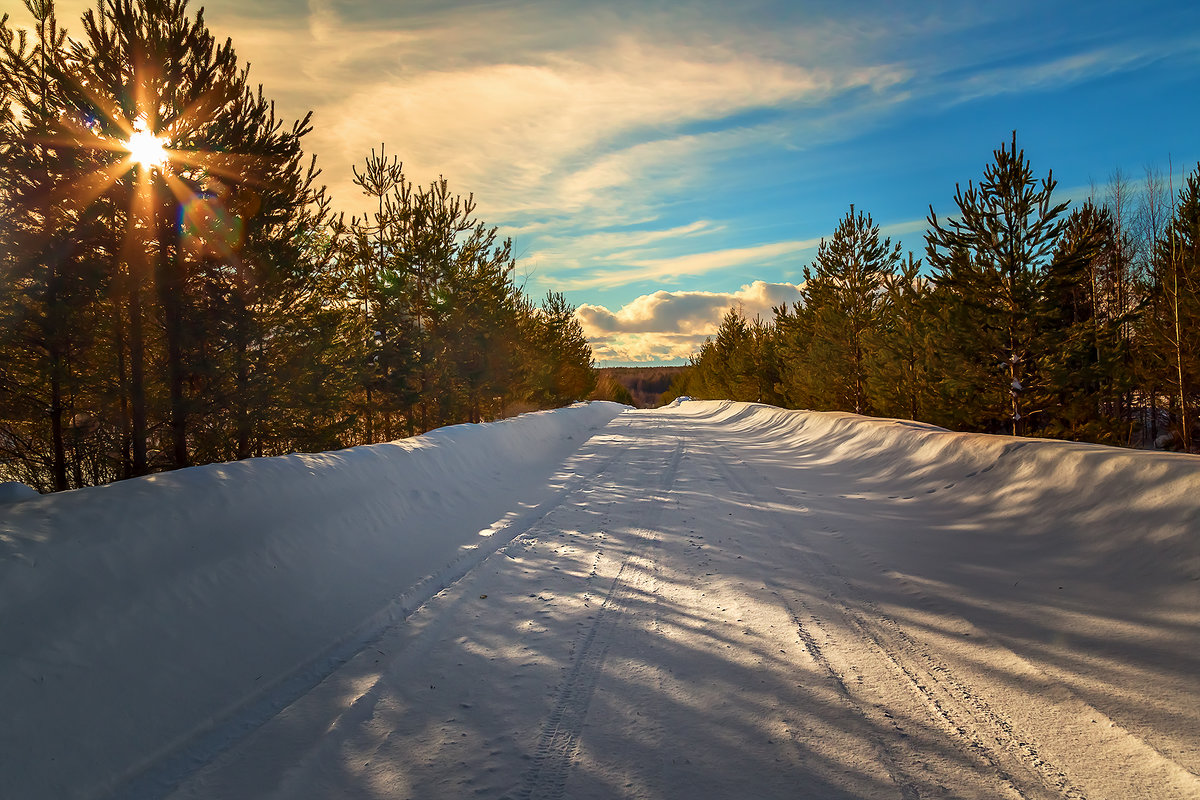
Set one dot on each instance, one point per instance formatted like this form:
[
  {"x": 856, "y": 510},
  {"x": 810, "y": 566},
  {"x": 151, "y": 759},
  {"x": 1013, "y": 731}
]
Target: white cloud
[
  {"x": 672, "y": 325},
  {"x": 670, "y": 268},
  {"x": 1054, "y": 73}
]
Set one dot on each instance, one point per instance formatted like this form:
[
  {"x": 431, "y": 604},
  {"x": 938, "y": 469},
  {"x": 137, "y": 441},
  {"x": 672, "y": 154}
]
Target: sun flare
[{"x": 145, "y": 148}]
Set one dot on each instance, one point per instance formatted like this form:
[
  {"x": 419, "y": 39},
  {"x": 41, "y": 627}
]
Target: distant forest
[
  {"x": 1025, "y": 317},
  {"x": 643, "y": 386},
  {"x": 174, "y": 289}
]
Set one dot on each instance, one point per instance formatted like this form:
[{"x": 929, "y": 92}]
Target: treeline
[
  {"x": 1024, "y": 317},
  {"x": 643, "y": 386},
  {"x": 201, "y": 303}
]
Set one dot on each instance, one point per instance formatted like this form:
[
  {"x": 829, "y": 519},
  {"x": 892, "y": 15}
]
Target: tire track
[
  {"x": 932, "y": 680},
  {"x": 953, "y": 702},
  {"x": 558, "y": 744},
  {"x": 977, "y": 730},
  {"x": 559, "y": 741},
  {"x": 903, "y": 782},
  {"x": 886, "y": 752},
  {"x": 208, "y": 746}
]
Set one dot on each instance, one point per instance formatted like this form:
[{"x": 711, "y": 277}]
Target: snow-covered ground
[{"x": 706, "y": 601}]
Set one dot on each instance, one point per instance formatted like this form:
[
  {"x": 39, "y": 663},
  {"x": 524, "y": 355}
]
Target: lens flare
[{"x": 210, "y": 224}]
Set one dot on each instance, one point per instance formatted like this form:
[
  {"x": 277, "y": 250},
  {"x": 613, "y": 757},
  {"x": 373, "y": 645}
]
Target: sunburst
[
  {"x": 145, "y": 148},
  {"x": 157, "y": 153}
]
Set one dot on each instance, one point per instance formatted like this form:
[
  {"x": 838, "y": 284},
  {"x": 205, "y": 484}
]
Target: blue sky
[{"x": 657, "y": 161}]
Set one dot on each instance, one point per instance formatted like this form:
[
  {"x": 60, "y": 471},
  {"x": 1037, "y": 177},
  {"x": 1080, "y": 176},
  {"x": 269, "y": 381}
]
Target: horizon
[{"x": 658, "y": 165}]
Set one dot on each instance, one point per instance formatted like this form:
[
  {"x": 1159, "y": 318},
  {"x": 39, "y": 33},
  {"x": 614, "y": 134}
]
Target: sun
[{"x": 145, "y": 148}]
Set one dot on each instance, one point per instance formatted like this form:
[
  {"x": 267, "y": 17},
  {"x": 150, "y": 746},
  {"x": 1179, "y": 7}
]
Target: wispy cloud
[
  {"x": 608, "y": 244},
  {"x": 572, "y": 131},
  {"x": 542, "y": 109},
  {"x": 671, "y": 269},
  {"x": 1057, "y": 71}
]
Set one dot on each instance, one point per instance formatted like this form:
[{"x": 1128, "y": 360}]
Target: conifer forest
[
  {"x": 1024, "y": 317},
  {"x": 169, "y": 305}
]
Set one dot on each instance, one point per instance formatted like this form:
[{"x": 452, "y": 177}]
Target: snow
[
  {"x": 708, "y": 600},
  {"x": 14, "y": 491},
  {"x": 141, "y": 615}
]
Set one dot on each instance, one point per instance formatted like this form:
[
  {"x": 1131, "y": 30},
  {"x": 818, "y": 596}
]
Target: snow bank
[
  {"x": 1124, "y": 516},
  {"x": 13, "y": 492},
  {"x": 140, "y": 615}
]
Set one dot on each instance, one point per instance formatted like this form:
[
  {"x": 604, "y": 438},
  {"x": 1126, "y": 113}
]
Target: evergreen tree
[
  {"x": 795, "y": 328},
  {"x": 52, "y": 277},
  {"x": 989, "y": 263},
  {"x": 388, "y": 331},
  {"x": 480, "y": 327},
  {"x": 211, "y": 242},
  {"x": 764, "y": 354},
  {"x": 726, "y": 367},
  {"x": 900, "y": 347},
  {"x": 1084, "y": 362},
  {"x": 559, "y": 359},
  {"x": 842, "y": 292},
  {"x": 1176, "y": 283}
]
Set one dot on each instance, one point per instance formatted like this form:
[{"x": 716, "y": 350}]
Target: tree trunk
[
  {"x": 170, "y": 293},
  {"x": 242, "y": 392},
  {"x": 56, "y": 422},
  {"x": 137, "y": 381}
]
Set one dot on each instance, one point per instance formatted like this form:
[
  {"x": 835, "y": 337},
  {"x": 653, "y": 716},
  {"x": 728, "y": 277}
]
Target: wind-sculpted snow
[
  {"x": 1124, "y": 513},
  {"x": 708, "y": 600},
  {"x": 136, "y": 615}
]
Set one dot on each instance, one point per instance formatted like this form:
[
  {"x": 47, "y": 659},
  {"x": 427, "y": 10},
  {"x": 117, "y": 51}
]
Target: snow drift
[
  {"x": 1124, "y": 515},
  {"x": 139, "y": 615}
]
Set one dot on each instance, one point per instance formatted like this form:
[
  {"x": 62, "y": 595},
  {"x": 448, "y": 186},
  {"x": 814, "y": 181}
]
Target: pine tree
[
  {"x": 842, "y": 292},
  {"x": 1084, "y": 360},
  {"x": 1176, "y": 281},
  {"x": 989, "y": 263},
  {"x": 236, "y": 179},
  {"x": 765, "y": 358},
  {"x": 795, "y": 327},
  {"x": 559, "y": 356},
  {"x": 128, "y": 292},
  {"x": 900, "y": 347},
  {"x": 729, "y": 373},
  {"x": 379, "y": 287},
  {"x": 52, "y": 277}
]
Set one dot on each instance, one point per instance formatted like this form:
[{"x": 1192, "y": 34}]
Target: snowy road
[{"x": 722, "y": 605}]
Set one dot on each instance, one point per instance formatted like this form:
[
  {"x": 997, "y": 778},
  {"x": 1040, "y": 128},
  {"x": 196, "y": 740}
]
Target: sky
[{"x": 658, "y": 161}]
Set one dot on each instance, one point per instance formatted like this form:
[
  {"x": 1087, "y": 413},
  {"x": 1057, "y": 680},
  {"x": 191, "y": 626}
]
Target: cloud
[
  {"x": 670, "y": 269},
  {"x": 563, "y": 132},
  {"x": 672, "y": 325},
  {"x": 645, "y": 348},
  {"x": 541, "y": 109},
  {"x": 1056, "y": 73},
  {"x": 618, "y": 244}
]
